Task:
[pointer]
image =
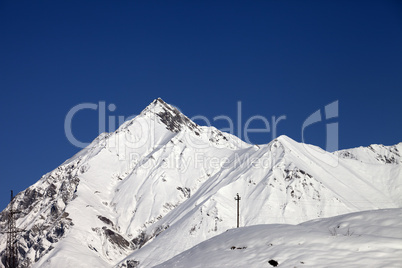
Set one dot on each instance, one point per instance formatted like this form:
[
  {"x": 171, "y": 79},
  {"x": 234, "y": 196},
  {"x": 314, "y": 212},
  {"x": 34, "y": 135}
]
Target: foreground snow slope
[
  {"x": 161, "y": 184},
  {"x": 361, "y": 239}
]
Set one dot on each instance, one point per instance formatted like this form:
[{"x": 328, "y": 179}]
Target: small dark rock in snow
[{"x": 274, "y": 263}]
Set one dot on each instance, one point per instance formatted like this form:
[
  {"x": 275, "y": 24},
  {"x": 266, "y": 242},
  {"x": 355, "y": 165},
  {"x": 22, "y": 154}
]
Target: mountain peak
[
  {"x": 286, "y": 141},
  {"x": 157, "y": 105},
  {"x": 169, "y": 115},
  {"x": 284, "y": 138},
  {"x": 160, "y": 102}
]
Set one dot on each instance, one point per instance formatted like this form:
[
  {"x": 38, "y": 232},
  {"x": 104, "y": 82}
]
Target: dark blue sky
[{"x": 276, "y": 57}]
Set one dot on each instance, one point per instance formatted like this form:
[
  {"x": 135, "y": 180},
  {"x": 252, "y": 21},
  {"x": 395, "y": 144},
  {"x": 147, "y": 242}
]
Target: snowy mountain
[{"x": 161, "y": 184}]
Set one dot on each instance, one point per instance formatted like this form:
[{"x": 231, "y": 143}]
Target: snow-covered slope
[
  {"x": 360, "y": 239},
  {"x": 161, "y": 184},
  {"x": 278, "y": 183}
]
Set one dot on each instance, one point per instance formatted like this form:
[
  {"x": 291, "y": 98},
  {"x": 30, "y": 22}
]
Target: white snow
[{"x": 361, "y": 239}]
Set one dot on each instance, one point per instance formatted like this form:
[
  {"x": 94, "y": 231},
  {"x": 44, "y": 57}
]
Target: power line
[{"x": 12, "y": 249}]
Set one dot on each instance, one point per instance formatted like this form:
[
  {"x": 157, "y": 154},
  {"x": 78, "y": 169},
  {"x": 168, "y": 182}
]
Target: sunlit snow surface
[{"x": 362, "y": 239}]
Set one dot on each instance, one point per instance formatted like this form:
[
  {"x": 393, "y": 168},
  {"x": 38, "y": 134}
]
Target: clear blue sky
[{"x": 276, "y": 57}]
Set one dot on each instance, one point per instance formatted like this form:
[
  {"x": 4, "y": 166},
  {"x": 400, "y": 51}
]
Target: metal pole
[{"x": 237, "y": 198}]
